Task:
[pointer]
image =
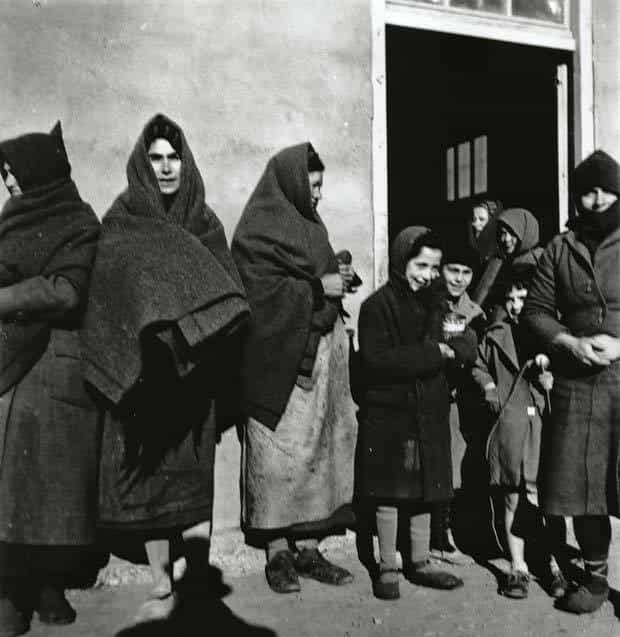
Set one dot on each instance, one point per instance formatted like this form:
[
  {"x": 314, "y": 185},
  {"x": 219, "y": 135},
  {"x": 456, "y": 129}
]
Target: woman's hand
[
  {"x": 491, "y": 398},
  {"x": 582, "y": 348},
  {"x": 333, "y": 285},
  {"x": 607, "y": 347}
]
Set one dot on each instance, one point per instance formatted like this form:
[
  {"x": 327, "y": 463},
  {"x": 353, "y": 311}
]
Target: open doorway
[{"x": 492, "y": 106}]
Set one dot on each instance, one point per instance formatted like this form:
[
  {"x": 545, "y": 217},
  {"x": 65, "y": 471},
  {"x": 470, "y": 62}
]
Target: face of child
[
  {"x": 507, "y": 240},
  {"x": 423, "y": 268},
  {"x": 457, "y": 278},
  {"x": 514, "y": 302},
  {"x": 479, "y": 219}
]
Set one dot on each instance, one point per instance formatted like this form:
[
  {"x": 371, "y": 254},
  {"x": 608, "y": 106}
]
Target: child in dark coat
[
  {"x": 403, "y": 451},
  {"x": 514, "y": 380}
]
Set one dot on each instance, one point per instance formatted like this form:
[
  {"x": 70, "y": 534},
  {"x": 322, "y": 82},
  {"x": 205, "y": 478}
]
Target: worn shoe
[
  {"x": 556, "y": 584},
  {"x": 311, "y": 563},
  {"x": 516, "y": 585},
  {"x": 281, "y": 574},
  {"x": 454, "y": 557},
  {"x": 428, "y": 575},
  {"x": 53, "y": 607},
  {"x": 385, "y": 585},
  {"x": 585, "y": 598},
  {"x": 13, "y": 621}
]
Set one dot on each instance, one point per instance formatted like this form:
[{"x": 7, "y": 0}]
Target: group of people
[{"x": 128, "y": 345}]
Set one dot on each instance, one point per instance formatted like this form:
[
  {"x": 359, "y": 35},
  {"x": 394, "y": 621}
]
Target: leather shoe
[
  {"x": 53, "y": 607},
  {"x": 557, "y": 584},
  {"x": 13, "y": 621},
  {"x": 385, "y": 585},
  {"x": 430, "y": 576},
  {"x": 280, "y": 573},
  {"x": 584, "y": 598},
  {"x": 311, "y": 563},
  {"x": 516, "y": 585}
]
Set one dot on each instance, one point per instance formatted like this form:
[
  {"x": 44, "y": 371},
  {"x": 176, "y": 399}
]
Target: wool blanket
[
  {"x": 282, "y": 248},
  {"x": 161, "y": 269},
  {"x": 50, "y": 233}
]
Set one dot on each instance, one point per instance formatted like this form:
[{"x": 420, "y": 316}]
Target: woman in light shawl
[
  {"x": 160, "y": 331},
  {"x": 300, "y": 436}
]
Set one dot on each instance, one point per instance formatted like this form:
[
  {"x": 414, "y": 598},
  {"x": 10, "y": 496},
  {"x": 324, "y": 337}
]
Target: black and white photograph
[{"x": 310, "y": 318}]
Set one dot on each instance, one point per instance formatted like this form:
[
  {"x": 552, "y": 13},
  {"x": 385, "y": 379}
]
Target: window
[{"x": 466, "y": 169}]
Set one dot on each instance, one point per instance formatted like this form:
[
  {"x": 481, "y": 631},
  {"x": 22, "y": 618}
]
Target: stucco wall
[
  {"x": 606, "y": 66},
  {"x": 243, "y": 77}
]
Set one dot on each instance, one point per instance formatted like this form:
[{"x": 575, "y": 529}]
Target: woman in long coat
[
  {"x": 299, "y": 441},
  {"x": 574, "y": 308},
  {"x": 404, "y": 455},
  {"x": 49, "y": 432},
  {"x": 160, "y": 331}
]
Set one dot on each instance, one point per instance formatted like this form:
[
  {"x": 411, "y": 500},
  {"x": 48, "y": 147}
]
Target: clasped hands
[{"x": 600, "y": 349}]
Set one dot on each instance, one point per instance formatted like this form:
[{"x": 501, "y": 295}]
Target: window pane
[
  {"x": 480, "y": 164},
  {"x": 552, "y": 10},
  {"x": 496, "y": 6},
  {"x": 450, "y": 195},
  {"x": 464, "y": 160}
]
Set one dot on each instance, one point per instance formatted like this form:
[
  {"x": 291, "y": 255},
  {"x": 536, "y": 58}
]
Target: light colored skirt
[{"x": 303, "y": 471}]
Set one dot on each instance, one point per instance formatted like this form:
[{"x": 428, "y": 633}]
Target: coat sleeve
[
  {"x": 540, "y": 312},
  {"x": 382, "y": 360},
  {"x": 38, "y": 298},
  {"x": 480, "y": 371}
]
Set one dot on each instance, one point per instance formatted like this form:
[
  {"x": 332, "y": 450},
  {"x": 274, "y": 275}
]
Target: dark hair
[
  {"x": 492, "y": 206},
  {"x": 430, "y": 240},
  {"x": 517, "y": 284}
]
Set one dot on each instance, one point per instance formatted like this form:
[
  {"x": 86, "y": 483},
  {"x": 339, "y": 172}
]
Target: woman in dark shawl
[
  {"x": 519, "y": 252},
  {"x": 482, "y": 214},
  {"x": 299, "y": 440},
  {"x": 48, "y": 426},
  {"x": 160, "y": 331}
]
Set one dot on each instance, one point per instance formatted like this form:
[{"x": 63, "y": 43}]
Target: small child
[{"x": 514, "y": 380}]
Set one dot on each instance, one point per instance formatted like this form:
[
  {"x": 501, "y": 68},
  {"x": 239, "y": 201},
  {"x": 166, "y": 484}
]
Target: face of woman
[
  {"x": 10, "y": 181},
  {"x": 166, "y": 164},
  {"x": 598, "y": 200},
  {"x": 507, "y": 240},
  {"x": 479, "y": 219},
  {"x": 423, "y": 268},
  {"x": 316, "y": 185}
]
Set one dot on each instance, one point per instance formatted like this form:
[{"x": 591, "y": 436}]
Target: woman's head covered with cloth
[{"x": 161, "y": 265}]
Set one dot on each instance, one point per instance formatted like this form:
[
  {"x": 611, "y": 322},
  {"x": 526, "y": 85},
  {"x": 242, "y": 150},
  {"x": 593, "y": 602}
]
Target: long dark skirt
[
  {"x": 49, "y": 448},
  {"x": 157, "y": 460}
]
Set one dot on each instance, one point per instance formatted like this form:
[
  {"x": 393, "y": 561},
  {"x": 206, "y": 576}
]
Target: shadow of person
[{"x": 199, "y": 611}]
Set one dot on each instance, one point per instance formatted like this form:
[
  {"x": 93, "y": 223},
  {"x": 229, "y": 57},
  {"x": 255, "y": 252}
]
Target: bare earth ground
[{"x": 246, "y": 606}]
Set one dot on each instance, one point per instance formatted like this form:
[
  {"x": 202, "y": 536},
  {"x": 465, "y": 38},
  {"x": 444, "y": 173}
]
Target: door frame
[{"x": 400, "y": 13}]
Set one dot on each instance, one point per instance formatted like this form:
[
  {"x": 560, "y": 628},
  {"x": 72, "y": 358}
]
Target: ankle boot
[
  {"x": 15, "y": 611},
  {"x": 591, "y": 594},
  {"x": 52, "y": 605}
]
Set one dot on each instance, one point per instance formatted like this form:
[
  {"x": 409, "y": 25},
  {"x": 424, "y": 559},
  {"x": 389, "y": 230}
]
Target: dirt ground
[{"x": 244, "y": 605}]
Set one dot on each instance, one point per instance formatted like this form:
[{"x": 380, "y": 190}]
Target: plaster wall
[
  {"x": 244, "y": 78},
  {"x": 606, "y": 68}
]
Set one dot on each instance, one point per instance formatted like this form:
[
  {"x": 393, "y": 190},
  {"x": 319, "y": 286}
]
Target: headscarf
[
  {"x": 524, "y": 225},
  {"x": 158, "y": 268},
  {"x": 599, "y": 169},
  {"x": 485, "y": 244},
  {"x": 282, "y": 249},
  {"x": 46, "y": 231}
]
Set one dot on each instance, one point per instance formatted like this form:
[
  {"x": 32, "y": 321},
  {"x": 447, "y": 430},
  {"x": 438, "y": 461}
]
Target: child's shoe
[
  {"x": 556, "y": 584},
  {"x": 587, "y": 597},
  {"x": 385, "y": 585},
  {"x": 427, "y": 574},
  {"x": 515, "y": 585}
]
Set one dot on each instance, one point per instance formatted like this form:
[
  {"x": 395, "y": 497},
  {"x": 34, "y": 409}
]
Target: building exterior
[{"x": 414, "y": 105}]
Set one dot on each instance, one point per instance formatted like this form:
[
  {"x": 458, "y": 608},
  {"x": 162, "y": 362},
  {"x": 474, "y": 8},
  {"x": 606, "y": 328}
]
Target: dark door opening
[{"x": 492, "y": 102}]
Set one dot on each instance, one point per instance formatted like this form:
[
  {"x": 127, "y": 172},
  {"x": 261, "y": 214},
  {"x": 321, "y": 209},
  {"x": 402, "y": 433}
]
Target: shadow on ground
[{"x": 198, "y": 615}]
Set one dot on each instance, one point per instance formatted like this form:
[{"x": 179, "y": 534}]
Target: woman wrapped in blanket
[{"x": 49, "y": 431}]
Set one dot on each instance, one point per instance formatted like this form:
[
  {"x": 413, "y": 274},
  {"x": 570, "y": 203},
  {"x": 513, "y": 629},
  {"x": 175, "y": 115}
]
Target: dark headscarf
[
  {"x": 158, "y": 268},
  {"x": 485, "y": 244},
  {"x": 282, "y": 249},
  {"x": 46, "y": 231},
  {"x": 599, "y": 169}
]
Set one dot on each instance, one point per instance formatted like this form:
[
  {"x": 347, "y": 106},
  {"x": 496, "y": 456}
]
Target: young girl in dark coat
[{"x": 404, "y": 461}]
